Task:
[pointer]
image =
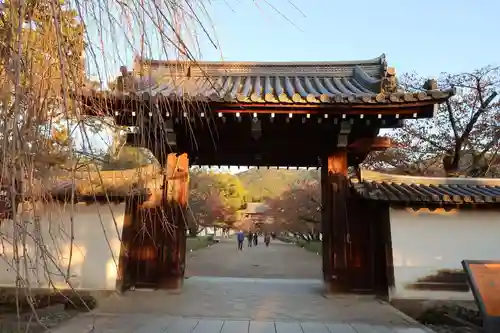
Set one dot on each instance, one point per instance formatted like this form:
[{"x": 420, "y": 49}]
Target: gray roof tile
[
  {"x": 341, "y": 82},
  {"x": 410, "y": 189}
]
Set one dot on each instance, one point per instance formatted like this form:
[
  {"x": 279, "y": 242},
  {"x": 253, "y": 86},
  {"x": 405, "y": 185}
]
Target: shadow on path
[
  {"x": 254, "y": 299},
  {"x": 279, "y": 282},
  {"x": 246, "y": 303}
]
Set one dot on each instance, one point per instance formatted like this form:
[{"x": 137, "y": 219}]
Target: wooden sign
[{"x": 484, "y": 280}]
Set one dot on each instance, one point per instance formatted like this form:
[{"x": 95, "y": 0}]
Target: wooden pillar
[
  {"x": 172, "y": 251},
  {"x": 334, "y": 221},
  {"x": 124, "y": 278}
]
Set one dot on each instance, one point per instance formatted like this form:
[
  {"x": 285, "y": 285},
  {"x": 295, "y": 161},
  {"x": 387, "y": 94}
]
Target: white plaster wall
[
  {"x": 217, "y": 232},
  {"x": 97, "y": 231},
  {"x": 424, "y": 242}
]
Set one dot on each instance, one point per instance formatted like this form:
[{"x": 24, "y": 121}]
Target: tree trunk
[
  {"x": 301, "y": 236},
  {"x": 193, "y": 232}
]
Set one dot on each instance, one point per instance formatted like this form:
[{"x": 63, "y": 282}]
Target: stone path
[
  {"x": 254, "y": 299},
  {"x": 167, "y": 324},
  {"x": 247, "y": 305},
  {"x": 279, "y": 260}
]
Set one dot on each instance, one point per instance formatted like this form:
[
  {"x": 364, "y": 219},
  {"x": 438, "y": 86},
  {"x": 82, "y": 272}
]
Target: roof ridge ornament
[
  {"x": 430, "y": 84},
  {"x": 383, "y": 59},
  {"x": 389, "y": 83}
]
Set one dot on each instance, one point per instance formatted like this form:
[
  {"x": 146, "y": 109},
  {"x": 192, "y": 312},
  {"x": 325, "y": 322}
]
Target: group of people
[{"x": 253, "y": 239}]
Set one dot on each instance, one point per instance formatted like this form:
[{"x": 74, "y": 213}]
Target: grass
[
  {"x": 312, "y": 246},
  {"x": 196, "y": 243}
]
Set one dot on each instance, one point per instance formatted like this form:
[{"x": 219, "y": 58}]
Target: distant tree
[
  {"x": 262, "y": 183},
  {"x": 128, "y": 157},
  {"x": 214, "y": 198},
  {"x": 298, "y": 209},
  {"x": 461, "y": 139}
]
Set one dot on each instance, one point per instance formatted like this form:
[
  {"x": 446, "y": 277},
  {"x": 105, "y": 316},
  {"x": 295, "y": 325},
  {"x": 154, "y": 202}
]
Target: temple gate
[{"x": 313, "y": 114}]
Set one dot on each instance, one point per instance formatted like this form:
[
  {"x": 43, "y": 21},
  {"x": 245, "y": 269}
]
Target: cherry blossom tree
[
  {"x": 214, "y": 199},
  {"x": 298, "y": 209},
  {"x": 462, "y": 139}
]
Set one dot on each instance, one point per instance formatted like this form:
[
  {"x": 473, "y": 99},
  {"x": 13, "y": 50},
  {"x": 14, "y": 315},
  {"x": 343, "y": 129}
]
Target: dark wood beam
[{"x": 370, "y": 144}]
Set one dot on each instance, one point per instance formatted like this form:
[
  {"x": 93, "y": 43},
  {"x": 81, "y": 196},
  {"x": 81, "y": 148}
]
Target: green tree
[
  {"x": 214, "y": 199},
  {"x": 268, "y": 183},
  {"x": 128, "y": 157}
]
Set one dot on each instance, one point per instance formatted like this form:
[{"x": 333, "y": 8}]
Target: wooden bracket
[
  {"x": 342, "y": 138},
  {"x": 171, "y": 136},
  {"x": 371, "y": 144}
]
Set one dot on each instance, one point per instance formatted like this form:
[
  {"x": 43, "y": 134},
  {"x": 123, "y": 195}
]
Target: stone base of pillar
[
  {"x": 335, "y": 286},
  {"x": 171, "y": 283}
]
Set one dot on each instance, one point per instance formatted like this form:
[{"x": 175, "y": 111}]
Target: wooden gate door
[
  {"x": 359, "y": 248},
  {"x": 144, "y": 264}
]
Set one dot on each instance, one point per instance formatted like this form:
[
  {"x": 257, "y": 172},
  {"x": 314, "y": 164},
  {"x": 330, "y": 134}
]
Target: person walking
[
  {"x": 250, "y": 239},
  {"x": 267, "y": 239},
  {"x": 241, "y": 239},
  {"x": 255, "y": 238}
]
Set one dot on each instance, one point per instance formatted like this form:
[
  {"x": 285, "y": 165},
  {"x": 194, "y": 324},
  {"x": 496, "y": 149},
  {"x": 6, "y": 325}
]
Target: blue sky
[
  {"x": 428, "y": 37},
  {"x": 425, "y": 36}
]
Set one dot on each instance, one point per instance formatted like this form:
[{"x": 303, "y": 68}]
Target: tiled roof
[
  {"x": 101, "y": 186},
  {"x": 348, "y": 82},
  {"x": 62, "y": 190},
  {"x": 256, "y": 208},
  {"x": 411, "y": 189}
]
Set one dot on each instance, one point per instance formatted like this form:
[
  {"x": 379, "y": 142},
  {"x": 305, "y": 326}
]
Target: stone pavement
[
  {"x": 233, "y": 305},
  {"x": 168, "y": 324}
]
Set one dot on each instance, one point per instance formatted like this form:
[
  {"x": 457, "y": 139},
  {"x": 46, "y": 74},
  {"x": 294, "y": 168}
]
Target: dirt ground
[{"x": 279, "y": 260}]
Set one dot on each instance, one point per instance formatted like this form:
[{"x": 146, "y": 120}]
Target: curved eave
[{"x": 377, "y": 101}]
